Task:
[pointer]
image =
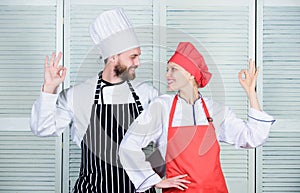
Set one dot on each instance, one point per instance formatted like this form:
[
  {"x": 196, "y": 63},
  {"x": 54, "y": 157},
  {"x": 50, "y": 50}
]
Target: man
[{"x": 100, "y": 110}]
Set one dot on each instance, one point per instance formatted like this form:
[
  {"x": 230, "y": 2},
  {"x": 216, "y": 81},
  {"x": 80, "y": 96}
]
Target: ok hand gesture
[
  {"x": 54, "y": 75},
  {"x": 248, "y": 80}
]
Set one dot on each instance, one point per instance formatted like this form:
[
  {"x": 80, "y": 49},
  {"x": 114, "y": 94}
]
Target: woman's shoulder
[
  {"x": 162, "y": 102},
  {"x": 164, "y": 98}
]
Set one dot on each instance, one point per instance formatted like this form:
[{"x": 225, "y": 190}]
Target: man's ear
[{"x": 112, "y": 59}]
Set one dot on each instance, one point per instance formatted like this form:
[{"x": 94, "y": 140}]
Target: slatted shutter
[
  {"x": 278, "y": 165},
  {"x": 82, "y": 59},
  {"x": 27, "y": 34},
  {"x": 222, "y": 33}
]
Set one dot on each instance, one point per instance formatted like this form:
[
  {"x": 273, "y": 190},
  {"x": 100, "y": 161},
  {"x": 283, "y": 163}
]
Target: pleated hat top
[{"x": 112, "y": 32}]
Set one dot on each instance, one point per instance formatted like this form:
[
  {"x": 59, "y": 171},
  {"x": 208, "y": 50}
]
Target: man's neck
[{"x": 109, "y": 75}]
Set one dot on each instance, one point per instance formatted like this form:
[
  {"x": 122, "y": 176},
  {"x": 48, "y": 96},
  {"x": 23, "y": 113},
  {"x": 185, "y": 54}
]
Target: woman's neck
[{"x": 189, "y": 95}]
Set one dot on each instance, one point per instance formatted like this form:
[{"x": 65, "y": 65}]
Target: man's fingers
[
  {"x": 57, "y": 59},
  {"x": 46, "y": 61},
  {"x": 61, "y": 71},
  {"x": 52, "y": 59},
  {"x": 63, "y": 74}
]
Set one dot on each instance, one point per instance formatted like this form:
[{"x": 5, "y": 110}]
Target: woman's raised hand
[
  {"x": 248, "y": 77},
  {"x": 248, "y": 80}
]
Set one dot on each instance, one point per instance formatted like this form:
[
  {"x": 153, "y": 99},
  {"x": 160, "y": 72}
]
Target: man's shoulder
[
  {"x": 138, "y": 83},
  {"x": 145, "y": 90},
  {"x": 89, "y": 81},
  {"x": 84, "y": 87},
  {"x": 143, "y": 86}
]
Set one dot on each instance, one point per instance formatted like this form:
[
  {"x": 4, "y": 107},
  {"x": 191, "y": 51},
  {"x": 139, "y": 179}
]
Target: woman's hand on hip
[{"x": 175, "y": 182}]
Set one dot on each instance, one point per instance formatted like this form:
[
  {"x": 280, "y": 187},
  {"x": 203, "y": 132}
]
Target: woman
[{"x": 187, "y": 128}]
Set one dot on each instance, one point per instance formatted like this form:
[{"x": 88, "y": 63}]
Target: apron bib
[
  {"x": 195, "y": 151},
  {"x": 101, "y": 170}
]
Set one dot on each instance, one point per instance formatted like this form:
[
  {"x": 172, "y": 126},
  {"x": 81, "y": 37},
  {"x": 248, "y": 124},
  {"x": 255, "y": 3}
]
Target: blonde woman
[{"x": 188, "y": 127}]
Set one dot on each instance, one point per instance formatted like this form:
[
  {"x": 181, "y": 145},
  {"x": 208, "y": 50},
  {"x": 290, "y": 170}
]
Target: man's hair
[{"x": 105, "y": 61}]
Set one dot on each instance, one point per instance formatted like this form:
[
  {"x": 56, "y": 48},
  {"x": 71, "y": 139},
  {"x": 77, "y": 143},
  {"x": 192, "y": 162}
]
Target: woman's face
[{"x": 177, "y": 77}]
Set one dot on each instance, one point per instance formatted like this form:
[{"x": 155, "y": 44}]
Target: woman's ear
[
  {"x": 193, "y": 80},
  {"x": 192, "y": 77}
]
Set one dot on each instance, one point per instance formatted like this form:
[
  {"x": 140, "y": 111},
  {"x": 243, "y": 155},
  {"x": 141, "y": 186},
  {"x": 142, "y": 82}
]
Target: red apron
[{"x": 195, "y": 151}]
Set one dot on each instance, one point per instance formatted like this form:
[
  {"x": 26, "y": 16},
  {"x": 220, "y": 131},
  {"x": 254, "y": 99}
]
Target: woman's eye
[{"x": 171, "y": 69}]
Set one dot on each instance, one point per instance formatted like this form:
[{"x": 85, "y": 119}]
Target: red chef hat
[{"x": 188, "y": 57}]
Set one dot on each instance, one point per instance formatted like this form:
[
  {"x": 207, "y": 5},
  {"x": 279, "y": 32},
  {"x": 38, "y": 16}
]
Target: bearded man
[{"x": 99, "y": 110}]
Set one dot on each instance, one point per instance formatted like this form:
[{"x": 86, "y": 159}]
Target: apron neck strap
[
  {"x": 173, "y": 110},
  {"x": 209, "y": 119},
  {"x": 98, "y": 87},
  {"x": 134, "y": 95}
]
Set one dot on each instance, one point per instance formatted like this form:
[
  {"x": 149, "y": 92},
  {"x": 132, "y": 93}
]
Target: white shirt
[
  {"x": 152, "y": 126},
  {"x": 52, "y": 113}
]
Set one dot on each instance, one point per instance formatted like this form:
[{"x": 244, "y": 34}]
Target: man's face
[{"x": 127, "y": 63}]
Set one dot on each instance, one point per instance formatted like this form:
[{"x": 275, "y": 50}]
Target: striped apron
[{"x": 101, "y": 170}]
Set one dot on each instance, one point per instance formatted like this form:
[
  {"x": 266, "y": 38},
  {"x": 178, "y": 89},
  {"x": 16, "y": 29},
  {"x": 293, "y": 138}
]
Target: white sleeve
[
  {"x": 146, "y": 128},
  {"x": 146, "y": 92},
  {"x": 51, "y": 114},
  {"x": 245, "y": 134}
]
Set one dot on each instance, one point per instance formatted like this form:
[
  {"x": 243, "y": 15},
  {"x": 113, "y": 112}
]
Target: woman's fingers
[
  {"x": 180, "y": 176},
  {"x": 243, "y": 74},
  {"x": 174, "y": 182},
  {"x": 256, "y": 72},
  {"x": 252, "y": 67},
  {"x": 181, "y": 185},
  {"x": 179, "y": 182}
]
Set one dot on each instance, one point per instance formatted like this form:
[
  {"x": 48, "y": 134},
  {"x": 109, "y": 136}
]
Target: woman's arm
[
  {"x": 253, "y": 132},
  {"x": 145, "y": 129}
]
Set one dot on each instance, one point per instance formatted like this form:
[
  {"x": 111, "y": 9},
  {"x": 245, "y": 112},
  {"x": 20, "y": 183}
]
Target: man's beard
[{"x": 123, "y": 72}]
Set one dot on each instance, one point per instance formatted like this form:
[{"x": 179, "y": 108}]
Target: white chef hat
[{"x": 113, "y": 33}]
